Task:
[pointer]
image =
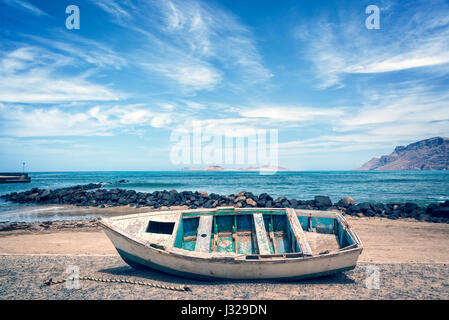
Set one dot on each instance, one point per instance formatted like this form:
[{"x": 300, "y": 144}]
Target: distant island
[
  {"x": 218, "y": 168},
  {"x": 429, "y": 154}
]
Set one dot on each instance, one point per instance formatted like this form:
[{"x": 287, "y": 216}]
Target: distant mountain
[
  {"x": 214, "y": 168},
  {"x": 429, "y": 154},
  {"x": 211, "y": 168}
]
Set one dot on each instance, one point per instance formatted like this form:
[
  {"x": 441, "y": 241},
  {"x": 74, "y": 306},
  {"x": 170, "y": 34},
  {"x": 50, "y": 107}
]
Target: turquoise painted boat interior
[{"x": 245, "y": 233}]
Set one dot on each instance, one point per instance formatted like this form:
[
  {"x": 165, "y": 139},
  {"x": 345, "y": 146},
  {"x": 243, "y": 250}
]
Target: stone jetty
[
  {"x": 95, "y": 195},
  {"x": 14, "y": 177}
]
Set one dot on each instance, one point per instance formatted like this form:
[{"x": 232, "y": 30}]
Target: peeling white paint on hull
[{"x": 237, "y": 269}]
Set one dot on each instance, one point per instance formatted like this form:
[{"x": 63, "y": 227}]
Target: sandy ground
[
  {"x": 412, "y": 257},
  {"x": 21, "y": 277}
]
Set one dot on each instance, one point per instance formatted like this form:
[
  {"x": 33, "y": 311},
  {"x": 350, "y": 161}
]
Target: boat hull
[{"x": 138, "y": 254}]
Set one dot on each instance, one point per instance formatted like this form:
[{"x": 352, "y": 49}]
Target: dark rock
[
  {"x": 265, "y": 196},
  {"x": 294, "y": 203},
  {"x": 285, "y": 204},
  {"x": 280, "y": 200},
  {"x": 44, "y": 195},
  {"x": 431, "y": 207},
  {"x": 364, "y": 206},
  {"x": 250, "y": 202},
  {"x": 422, "y": 217},
  {"x": 33, "y": 196},
  {"x": 410, "y": 206},
  {"x": 378, "y": 207},
  {"x": 202, "y": 193},
  {"x": 214, "y": 196},
  {"x": 165, "y": 196},
  {"x": 123, "y": 201},
  {"x": 208, "y": 204},
  {"x": 345, "y": 202},
  {"x": 353, "y": 209},
  {"x": 240, "y": 199},
  {"x": 322, "y": 202},
  {"x": 277, "y": 205},
  {"x": 440, "y": 212}
]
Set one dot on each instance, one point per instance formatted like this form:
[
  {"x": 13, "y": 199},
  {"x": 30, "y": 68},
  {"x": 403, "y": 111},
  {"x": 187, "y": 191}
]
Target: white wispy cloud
[
  {"x": 31, "y": 75},
  {"x": 114, "y": 8},
  {"x": 391, "y": 111},
  {"x": 22, "y": 121},
  {"x": 415, "y": 36},
  {"x": 416, "y": 104},
  {"x": 291, "y": 113},
  {"x": 386, "y": 119},
  {"x": 191, "y": 42},
  {"x": 22, "y": 4},
  {"x": 211, "y": 32},
  {"x": 82, "y": 49},
  {"x": 245, "y": 121},
  {"x": 192, "y": 76}
]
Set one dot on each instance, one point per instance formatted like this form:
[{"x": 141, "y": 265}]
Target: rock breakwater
[{"x": 96, "y": 196}]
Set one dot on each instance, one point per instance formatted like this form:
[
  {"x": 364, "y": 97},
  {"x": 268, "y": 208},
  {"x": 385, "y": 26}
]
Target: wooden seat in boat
[
  {"x": 204, "y": 234},
  {"x": 261, "y": 235},
  {"x": 298, "y": 232}
]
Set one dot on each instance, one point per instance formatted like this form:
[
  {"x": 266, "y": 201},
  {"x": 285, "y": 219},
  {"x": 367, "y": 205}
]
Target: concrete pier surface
[{"x": 14, "y": 177}]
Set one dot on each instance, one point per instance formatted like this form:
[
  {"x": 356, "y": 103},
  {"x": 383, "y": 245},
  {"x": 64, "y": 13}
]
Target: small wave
[
  {"x": 147, "y": 185},
  {"x": 42, "y": 209},
  {"x": 384, "y": 181}
]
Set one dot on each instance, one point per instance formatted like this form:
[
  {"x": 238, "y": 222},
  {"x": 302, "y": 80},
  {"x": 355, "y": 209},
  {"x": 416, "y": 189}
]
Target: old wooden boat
[{"x": 231, "y": 243}]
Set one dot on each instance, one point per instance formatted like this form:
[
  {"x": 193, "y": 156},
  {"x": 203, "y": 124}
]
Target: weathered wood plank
[
  {"x": 204, "y": 234},
  {"x": 214, "y": 242},
  {"x": 235, "y": 236},
  {"x": 272, "y": 238},
  {"x": 298, "y": 232},
  {"x": 316, "y": 213},
  {"x": 261, "y": 235}
]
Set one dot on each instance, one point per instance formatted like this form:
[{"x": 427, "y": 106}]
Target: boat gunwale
[
  {"x": 192, "y": 213},
  {"x": 237, "y": 259},
  {"x": 346, "y": 226}
]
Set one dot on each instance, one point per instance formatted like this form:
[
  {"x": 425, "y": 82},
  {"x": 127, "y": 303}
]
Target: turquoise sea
[
  {"x": 389, "y": 186},
  {"x": 421, "y": 187}
]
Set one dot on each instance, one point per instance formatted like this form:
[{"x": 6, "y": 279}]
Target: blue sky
[{"x": 109, "y": 95}]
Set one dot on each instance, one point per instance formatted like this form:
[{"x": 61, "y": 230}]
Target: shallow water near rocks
[{"x": 31, "y": 214}]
